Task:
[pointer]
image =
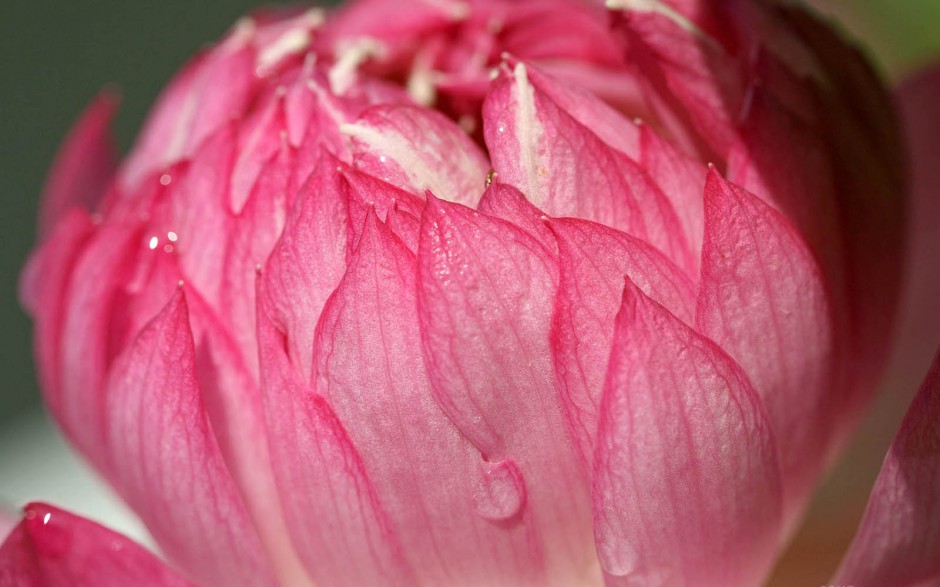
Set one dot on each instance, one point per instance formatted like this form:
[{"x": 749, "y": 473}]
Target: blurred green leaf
[{"x": 901, "y": 35}]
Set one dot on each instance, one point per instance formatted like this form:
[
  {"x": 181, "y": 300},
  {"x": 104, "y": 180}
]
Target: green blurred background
[{"x": 56, "y": 55}]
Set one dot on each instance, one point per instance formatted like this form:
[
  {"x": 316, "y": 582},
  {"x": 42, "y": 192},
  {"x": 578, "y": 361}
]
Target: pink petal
[
  {"x": 43, "y": 285},
  {"x": 84, "y": 165},
  {"x": 593, "y": 260},
  {"x": 762, "y": 299},
  {"x": 692, "y": 83},
  {"x": 53, "y": 548},
  {"x": 919, "y": 332},
  {"x": 388, "y": 23},
  {"x": 214, "y": 88},
  {"x": 379, "y": 194},
  {"x": 501, "y": 200},
  {"x": 368, "y": 194},
  {"x": 485, "y": 290},
  {"x": 427, "y": 475},
  {"x": 866, "y": 151},
  {"x": 417, "y": 149},
  {"x": 200, "y": 215},
  {"x": 898, "y": 541},
  {"x": 166, "y": 460},
  {"x": 608, "y": 124},
  {"x": 405, "y": 226},
  {"x": 308, "y": 261},
  {"x": 556, "y": 30},
  {"x": 261, "y": 136},
  {"x": 254, "y": 233},
  {"x": 335, "y": 519},
  {"x": 681, "y": 179},
  {"x": 686, "y": 488},
  {"x": 87, "y": 315},
  {"x": 785, "y": 162},
  {"x": 232, "y": 402},
  {"x": 565, "y": 169}
]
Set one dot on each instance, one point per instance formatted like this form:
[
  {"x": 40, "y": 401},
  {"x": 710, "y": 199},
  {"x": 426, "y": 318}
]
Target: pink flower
[{"x": 485, "y": 293}]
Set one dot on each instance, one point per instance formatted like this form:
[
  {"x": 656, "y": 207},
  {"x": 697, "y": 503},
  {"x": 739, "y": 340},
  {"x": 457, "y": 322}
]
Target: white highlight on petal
[
  {"x": 421, "y": 173},
  {"x": 242, "y": 32},
  {"x": 326, "y": 101},
  {"x": 421, "y": 81},
  {"x": 290, "y": 43},
  {"x": 154, "y": 241},
  {"x": 342, "y": 74},
  {"x": 454, "y": 9},
  {"x": 655, "y": 6},
  {"x": 528, "y": 132}
]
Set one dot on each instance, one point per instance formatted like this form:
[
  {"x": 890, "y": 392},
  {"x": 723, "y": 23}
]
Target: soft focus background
[{"x": 56, "y": 55}]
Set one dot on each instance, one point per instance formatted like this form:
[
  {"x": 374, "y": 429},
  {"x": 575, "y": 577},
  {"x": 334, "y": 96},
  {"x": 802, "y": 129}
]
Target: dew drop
[
  {"x": 500, "y": 493},
  {"x": 154, "y": 241},
  {"x": 172, "y": 236},
  {"x": 49, "y": 538},
  {"x": 165, "y": 179}
]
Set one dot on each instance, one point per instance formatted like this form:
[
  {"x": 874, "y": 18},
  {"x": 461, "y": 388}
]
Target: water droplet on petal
[
  {"x": 50, "y": 539},
  {"x": 500, "y": 493}
]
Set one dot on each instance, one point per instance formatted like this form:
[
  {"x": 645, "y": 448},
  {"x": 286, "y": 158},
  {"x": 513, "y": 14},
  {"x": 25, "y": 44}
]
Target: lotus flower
[{"x": 481, "y": 293}]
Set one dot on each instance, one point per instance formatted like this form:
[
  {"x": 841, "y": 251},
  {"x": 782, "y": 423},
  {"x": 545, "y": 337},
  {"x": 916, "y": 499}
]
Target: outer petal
[
  {"x": 368, "y": 194},
  {"x": 96, "y": 287},
  {"x": 484, "y": 298},
  {"x": 608, "y": 124},
  {"x": 417, "y": 150},
  {"x": 212, "y": 89},
  {"x": 692, "y": 82},
  {"x": 593, "y": 261},
  {"x": 254, "y": 234},
  {"x": 462, "y": 520},
  {"x": 682, "y": 179},
  {"x": 84, "y": 165},
  {"x": 686, "y": 487},
  {"x": 388, "y": 23},
  {"x": 919, "y": 100},
  {"x": 232, "y": 400},
  {"x": 898, "y": 542},
  {"x": 53, "y": 548},
  {"x": 167, "y": 463},
  {"x": 308, "y": 261},
  {"x": 336, "y": 521},
  {"x": 566, "y": 170},
  {"x": 762, "y": 299},
  {"x": 501, "y": 200},
  {"x": 860, "y": 128},
  {"x": 43, "y": 286}
]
